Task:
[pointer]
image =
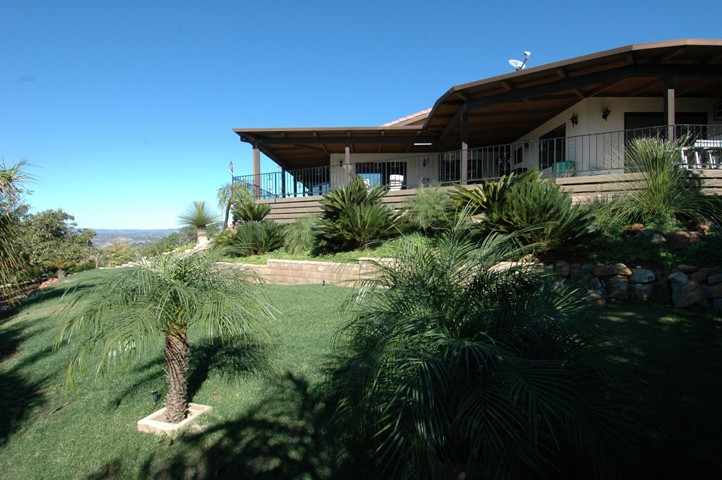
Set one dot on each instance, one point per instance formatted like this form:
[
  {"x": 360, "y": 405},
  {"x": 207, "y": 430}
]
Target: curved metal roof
[{"x": 502, "y": 109}]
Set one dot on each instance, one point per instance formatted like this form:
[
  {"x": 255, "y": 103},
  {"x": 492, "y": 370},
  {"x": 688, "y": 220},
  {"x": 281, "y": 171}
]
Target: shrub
[
  {"x": 354, "y": 217},
  {"x": 252, "y": 238},
  {"x": 301, "y": 235},
  {"x": 250, "y": 211},
  {"x": 538, "y": 210},
  {"x": 455, "y": 369},
  {"x": 667, "y": 193},
  {"x": 431, "y": 210}
]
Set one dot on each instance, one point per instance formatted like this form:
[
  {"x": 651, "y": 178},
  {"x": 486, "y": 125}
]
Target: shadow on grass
[
  {"x": 18, "y": 397},
  {"x": 205, "y": 357},
  {"x": 283, "y": 436},
  {"x": 673, "y": 357},
  {"x": 224, "y": 358}
]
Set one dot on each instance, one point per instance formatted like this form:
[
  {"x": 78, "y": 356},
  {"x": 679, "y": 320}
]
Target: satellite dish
[{"x": 518, "y": 64}]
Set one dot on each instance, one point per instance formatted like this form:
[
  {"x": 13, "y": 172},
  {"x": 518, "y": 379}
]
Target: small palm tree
[
  {"x": 231, "y": 194},
  {"x": 11, "y": 265},
  {"x": 165, "y": 297},
  {"x": 200, "y": 217},
  {"x": 458, "y": 369}
]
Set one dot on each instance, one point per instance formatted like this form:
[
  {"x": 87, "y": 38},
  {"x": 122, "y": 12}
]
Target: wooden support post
[
  {"x": 283, "y": 183},
  {"x": 464, "y": 149},
  {"x": 256, "y": 171}
]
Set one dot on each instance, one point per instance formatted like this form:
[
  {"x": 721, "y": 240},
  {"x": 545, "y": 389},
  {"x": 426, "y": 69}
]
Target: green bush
[
  {"x": 537, "y": 210},
  {"x": 452, "y": 368},
  {"x": 431, "y": 210},
  {"x": 354, "y": 217},
  {"x": 301, "y": 235},
  {"x": 666, "y": 193},
  {"x": 252, "y": 238},
  {"x": 250, "y": 211}
]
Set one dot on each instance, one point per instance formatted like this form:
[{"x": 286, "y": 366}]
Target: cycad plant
[
  {"x": 455, "y": 368},
  {"x": 252, "y": 238},
  {"x": 200, "y": 217},
  {"x": 250, "y": 211},
  {"x": 538, "y": 210},
  {"x": 164, "y": 299},
  {"x": 354, "y": 217}
]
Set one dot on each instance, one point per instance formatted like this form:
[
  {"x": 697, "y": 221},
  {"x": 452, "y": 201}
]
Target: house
[{"x": 571, "y": 117}]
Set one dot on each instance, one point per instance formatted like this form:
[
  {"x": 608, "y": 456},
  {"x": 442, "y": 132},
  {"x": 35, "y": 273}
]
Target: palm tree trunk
[{"x": 176, "y": 361}]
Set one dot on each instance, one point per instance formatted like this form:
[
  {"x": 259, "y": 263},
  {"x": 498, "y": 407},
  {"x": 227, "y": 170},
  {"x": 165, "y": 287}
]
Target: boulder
[
  {"x": 658, "y": 238},
  {"x": 690, "y": 294},
  {"x": 684, "y": 268},
  {"x": 595, "y": 297},
  {"x": 678, "y": 277},
  {"x": 641, "y": 292},
  {"x": 617, "y": 287},
  {"x": 622, "y": 269},
  {"x": 714, "y": 291},
  {"x": 714, "y": 279},
  {"x": 602, "y": 271},
  {"x": 661, "y": 291},
  {"x": 717, "y": 304},
  {"x": 702, "y": 274},
  {"x": 682, "y": 238},
  {"x": 642, "y": 275}
]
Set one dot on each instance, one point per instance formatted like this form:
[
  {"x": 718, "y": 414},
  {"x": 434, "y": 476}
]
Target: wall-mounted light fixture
[
  {"x": 605, "y": 113},
  {"x": 574, "y": 119}
]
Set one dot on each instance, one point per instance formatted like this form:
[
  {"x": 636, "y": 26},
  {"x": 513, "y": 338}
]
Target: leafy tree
[
  {"x": 200, "y": 217},
  {"x": 232, "y": 194},
  {"x": 458, "y": 369},
  {"x": 54, "y": 244},
  {"x": 165, "y": 297},
  {"x": 118, "y": 253}
]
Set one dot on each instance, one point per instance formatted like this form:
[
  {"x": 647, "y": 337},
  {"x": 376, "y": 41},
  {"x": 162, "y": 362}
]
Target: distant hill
[{"x": 137, "y": 238}]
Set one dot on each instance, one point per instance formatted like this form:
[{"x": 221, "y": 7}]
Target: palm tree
[
  {"x": 457, "y": 369},
  {"x": 231, "y": 194},
  {"x": 11, "y": 180},
  {"x": 165, "y": 297},
  {"x": 199, "y": 217}
]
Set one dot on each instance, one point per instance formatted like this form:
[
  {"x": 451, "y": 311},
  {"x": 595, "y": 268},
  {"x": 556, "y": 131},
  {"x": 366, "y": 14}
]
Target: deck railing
[{"x": 594, "y": 154}]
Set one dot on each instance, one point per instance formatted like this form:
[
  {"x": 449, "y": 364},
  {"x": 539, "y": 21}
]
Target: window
[
  {"x": 552, "y": 147},
  {"x": 373, "y": 171}
]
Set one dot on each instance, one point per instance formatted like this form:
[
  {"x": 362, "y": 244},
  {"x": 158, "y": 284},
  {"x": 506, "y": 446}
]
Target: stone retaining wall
[
  {"x": 294, "y": 272},
  {"x": 683, "y": 286}
]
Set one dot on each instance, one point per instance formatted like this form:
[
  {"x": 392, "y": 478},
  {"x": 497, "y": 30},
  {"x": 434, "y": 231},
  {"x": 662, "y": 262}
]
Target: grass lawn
[{"x": 265, "y": 423}]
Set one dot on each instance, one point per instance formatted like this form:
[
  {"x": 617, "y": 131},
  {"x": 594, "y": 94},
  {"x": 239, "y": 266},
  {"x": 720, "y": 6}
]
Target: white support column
[{"x": 669, "y": 108}]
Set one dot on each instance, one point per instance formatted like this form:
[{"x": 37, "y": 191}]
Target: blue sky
[{"x": 125, "y": 110}]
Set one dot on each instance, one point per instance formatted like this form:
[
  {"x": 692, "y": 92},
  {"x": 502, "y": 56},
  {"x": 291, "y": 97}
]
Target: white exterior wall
[
  {"x": 591, "y": 123},
  {"x": 419, "y": 166}
]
